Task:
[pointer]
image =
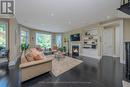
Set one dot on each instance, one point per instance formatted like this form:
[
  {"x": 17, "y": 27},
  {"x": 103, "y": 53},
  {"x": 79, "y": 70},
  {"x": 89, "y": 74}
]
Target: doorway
[{"x": 108, "y": 41}]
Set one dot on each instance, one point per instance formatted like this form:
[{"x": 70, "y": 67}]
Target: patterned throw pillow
[
  {"x": 29, "y": 57},
  {"x": 37, "y": 55}
]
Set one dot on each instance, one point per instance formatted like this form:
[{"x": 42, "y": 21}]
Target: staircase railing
[{"x": 125, "y": 6}]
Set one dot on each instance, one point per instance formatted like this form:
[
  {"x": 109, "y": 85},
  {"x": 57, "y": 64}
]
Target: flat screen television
[{"x": 75, "y": 37}]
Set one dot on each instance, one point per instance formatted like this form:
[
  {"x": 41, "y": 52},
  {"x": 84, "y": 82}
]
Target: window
[
  {"x": 44, "y": 40},
  {"x": 24, "y": 37},
  {"x": 3, "y": 34},
  {"x": 59, "y": 40}
]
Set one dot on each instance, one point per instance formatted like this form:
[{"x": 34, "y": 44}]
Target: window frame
[
  {"x": 42, "y": 33},
  {"x": 7, "y": 29},
  {"x": 27, "y": 35},
  {"x": 61, "y": 44}
]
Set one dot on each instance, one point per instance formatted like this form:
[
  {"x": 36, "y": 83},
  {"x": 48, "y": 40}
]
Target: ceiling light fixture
[
  {"x": 108, "y": 17},
  {"x": 69, "y": 22},
  {"x": 52, "y": 14}
]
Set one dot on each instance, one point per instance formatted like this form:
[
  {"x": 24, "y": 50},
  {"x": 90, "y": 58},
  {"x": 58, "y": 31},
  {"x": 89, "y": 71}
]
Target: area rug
[{"x": 64, "y": 64}]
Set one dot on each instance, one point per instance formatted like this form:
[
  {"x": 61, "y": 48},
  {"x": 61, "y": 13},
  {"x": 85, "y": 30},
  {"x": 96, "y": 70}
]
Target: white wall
[
  {"x": 118, "y": 43},
  {"x": 118, "y": 26},
  {"x": 93, "y": 53}
]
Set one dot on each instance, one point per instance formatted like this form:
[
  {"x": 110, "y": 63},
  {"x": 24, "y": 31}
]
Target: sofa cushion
[
  {"x": 29, "y": 57},
  {"x": 28, "y": 64},
  {"x": 37, "y": 55},
  {"x": 32, "y": 54}
]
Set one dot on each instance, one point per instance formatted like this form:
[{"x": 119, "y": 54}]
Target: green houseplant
[
  {"x": 62, "y": 49},
  {"x": 24, "y": 47}
]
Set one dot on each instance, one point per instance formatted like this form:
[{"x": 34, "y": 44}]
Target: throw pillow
[
  {"x": 38, "y": 57},
  {"x": 29, "y": 57}
]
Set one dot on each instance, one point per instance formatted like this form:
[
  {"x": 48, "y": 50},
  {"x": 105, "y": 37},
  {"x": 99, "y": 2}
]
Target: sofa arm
[{"x": 33, "y": 63}]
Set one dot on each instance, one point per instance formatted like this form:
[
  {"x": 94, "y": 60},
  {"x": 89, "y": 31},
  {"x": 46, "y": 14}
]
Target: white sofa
[{"x": 32, "y": 69}]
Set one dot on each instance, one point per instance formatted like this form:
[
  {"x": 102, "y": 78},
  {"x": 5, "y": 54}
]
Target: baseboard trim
[
  {"x": 115, "y": 56},
  {"x": 98, "y": 57},
  {"x": 14, "y": 62}
]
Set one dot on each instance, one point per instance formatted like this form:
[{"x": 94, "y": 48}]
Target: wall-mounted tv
[{"x": 75, "y": 37}]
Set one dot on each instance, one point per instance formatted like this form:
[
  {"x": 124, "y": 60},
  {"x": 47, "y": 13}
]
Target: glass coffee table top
[{"x": 59, "y": 56}]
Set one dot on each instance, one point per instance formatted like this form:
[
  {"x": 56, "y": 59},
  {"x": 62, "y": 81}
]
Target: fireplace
[
  {"x": 75, "y": 50},
  {"x": 127, "y": 59}
]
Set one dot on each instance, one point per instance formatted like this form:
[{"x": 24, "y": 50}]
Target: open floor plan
[{"x": 64, "y": 43}]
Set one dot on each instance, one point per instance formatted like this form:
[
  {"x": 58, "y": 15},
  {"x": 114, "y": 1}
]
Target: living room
[{"x": 70, "y": 47}]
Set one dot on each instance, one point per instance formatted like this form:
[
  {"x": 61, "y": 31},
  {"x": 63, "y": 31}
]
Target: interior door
[{"x": 108, "y": 37}]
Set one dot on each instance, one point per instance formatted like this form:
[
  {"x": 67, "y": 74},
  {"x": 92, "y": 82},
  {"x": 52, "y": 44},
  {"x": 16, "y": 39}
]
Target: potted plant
[{"x": 24, "y": 47}]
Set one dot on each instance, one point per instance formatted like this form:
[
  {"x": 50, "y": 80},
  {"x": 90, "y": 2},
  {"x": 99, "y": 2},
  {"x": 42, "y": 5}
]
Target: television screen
[{"x": 75, "y": 37}]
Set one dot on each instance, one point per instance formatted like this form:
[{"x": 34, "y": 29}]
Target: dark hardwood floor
[
  {"x": 9, "y": 77},
  {"x": 107, "y": 72},
  {"x": 91, "y": 73}
]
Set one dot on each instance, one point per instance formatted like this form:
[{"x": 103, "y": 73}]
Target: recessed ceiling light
[
  {"x": 83, "y": 22},
  {"x": 69, "y": 22},
  {"x": 108, "y": 17},
  {"x": 52, "y": 14}
]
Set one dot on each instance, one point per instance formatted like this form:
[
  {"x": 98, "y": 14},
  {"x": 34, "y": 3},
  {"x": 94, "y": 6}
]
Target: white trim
[
  {"x": 79, "y": 48},
  {"x": 98, "y": 57},
  {"x": 26, "y": 30},
  {"x": 113, "y": 40},
  {"x": 120, "y": 48},
  {"x": 12, "y": 63},
  {"x": 121, "y": 41},
  {"x": 28, "y": 35},
  {"x": 115, "y": 56}
]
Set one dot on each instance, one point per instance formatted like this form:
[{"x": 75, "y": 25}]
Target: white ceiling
[{"x": 64, "y": 15}]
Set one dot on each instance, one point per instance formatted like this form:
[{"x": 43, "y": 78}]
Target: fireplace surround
[
  {"x": 127, "y": 59},
  {"x": 75, "y": 50}
]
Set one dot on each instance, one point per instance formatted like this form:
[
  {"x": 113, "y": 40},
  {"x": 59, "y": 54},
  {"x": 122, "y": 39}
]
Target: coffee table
[{"x": 59, "y": 55}]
